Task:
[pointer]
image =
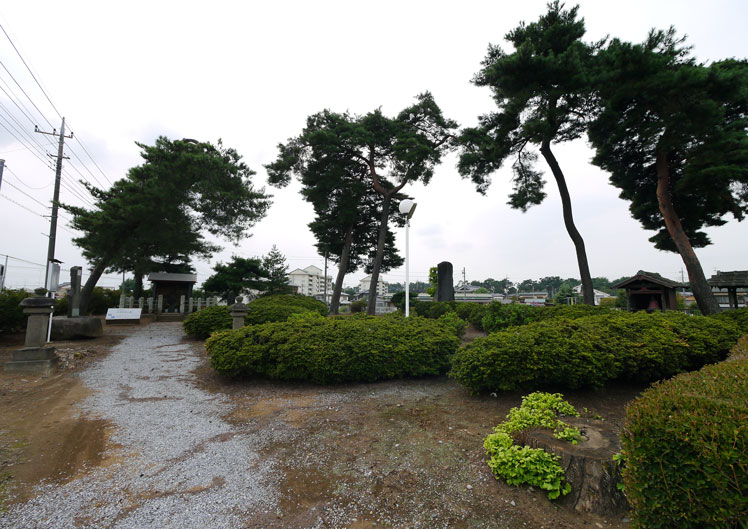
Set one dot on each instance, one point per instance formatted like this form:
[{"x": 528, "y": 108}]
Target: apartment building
[{"x": 310, "y": 281}]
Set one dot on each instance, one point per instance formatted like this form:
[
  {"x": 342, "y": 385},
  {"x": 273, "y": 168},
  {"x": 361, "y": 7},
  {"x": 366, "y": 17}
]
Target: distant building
[
  {"x": 598, "y": 294},
  {"x": 365, "y": 284},
  {"x": 310, "y": 281},
  {"x": 649, "y": 291}
]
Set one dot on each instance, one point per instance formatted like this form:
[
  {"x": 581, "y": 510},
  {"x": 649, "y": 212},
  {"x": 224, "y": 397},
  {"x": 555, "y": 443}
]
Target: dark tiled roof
[
  {"x": 729, "y": 279},
  {"x": 653, "y": 277}
]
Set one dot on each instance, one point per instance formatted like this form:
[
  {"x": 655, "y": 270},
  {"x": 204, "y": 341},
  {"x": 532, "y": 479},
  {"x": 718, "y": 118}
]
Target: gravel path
[{"x": 176, "y": 463}]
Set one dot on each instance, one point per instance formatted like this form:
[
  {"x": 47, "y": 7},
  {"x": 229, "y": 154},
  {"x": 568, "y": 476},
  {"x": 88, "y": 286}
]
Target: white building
[
  {"x": 365, "y": 283},
  {"x": 598, "y": 294},
  {"x": 310, "y": 281}
]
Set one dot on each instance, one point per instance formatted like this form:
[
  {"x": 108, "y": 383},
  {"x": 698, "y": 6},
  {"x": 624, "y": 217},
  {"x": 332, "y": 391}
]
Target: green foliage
[
  {"x": 331, "y": 350},
  {"x": 685, "y": 444},
  {"x": 432, "y": 309},
  {"x": 500, "y": 316},
  {"x": 738, "y": 316},
  {"x": 521, "y": 464},
  {"x": 473, "y": 313},
  {"x": 61, "y": 306},
  {"x": 453, "y": 321},
  {"x": 101, "y": 300},
  {"x": 12, "y": 318},
  {"x": 593, "y": 350},
  {"x": 433, "y": 281},
  {"x": 274, "y": 265},
  {"x": 358, "y": 306},
  {"x": 239, "y": 274},
  {"x": 205, "y": 322}
]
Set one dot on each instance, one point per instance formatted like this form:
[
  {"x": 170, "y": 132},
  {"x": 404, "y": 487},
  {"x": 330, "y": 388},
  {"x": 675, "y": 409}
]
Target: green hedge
[
  {"x": 590, "y": 351},
  {"x": 205, "y": 322},
  {"x": 12, "y": 318},
  {"x": 738, "y": 316},
  {"x": 685, "y": 447},
  {"x": 500, "y": 316},
  {"x": 332, "y": 350}
]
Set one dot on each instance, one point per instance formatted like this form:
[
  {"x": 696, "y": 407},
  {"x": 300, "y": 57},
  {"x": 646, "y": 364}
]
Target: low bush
[
  {"x": 102, "y": 299},
  {"x": 685, "y": 447},
  {"x": 738, "y": 316},
  {"x": 12, "y": 318},
  {"x": 454, "y": 322},
  {"x": 500, "y": 316},
  {"x": 331, "y": 350},
  {"x": 534, "y": 466},
  {"x": 205, "y": 322},
  {"x": 472, "y": 313},
  {"x": 432, "y": 309},
  {"x": 590, "y": 351}
]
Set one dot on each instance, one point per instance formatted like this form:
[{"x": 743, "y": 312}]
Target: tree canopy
[
  {"x": 236, "y": 276},
  {"x": 543, "y": 93},
  {"x": 673, "y": 135},
  {"x": 161, "y": 210}
]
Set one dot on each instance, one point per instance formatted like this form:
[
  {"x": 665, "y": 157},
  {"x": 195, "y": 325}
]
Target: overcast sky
[{"x": 251, "y": 72}]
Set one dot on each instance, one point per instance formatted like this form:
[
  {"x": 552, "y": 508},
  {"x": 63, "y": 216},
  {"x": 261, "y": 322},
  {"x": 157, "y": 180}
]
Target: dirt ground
[{"x": 394, "y": 454}]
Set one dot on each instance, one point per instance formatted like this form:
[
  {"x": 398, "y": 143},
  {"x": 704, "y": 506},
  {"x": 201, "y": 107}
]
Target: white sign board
[{"x": 123, "y": 314}]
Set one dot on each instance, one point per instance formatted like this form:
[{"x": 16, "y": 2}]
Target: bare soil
[{"x": 404, "y": 453}]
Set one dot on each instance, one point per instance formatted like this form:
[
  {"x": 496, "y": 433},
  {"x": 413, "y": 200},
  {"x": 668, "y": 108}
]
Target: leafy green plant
[
  {"x": 685, "y": 444},
  {"x": 12, "y": 318},
  {"x": 593, "y": 350},
  {"x": 205, "y": 322},
  {"x": 534, "y": 466},
  {"x": 456, "y": 323},
  {"x": 332, "y": 350}
]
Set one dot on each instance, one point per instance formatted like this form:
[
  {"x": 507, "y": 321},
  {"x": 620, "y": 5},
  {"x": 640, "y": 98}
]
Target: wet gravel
[{"x": 175, "y": 462}]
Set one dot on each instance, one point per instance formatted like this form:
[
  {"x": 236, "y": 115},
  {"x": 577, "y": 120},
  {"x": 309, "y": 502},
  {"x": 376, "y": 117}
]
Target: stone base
[
  {"x": 36, "y": 361},
  {"x": 64, "y": 328}
]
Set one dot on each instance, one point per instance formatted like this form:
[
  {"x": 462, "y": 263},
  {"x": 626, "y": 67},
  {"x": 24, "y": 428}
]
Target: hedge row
[
  {"x": 331, "y": 350},
  {"x": 685, "y": 447},
  {"x": 203, "y": 323},
  {"x": 590, "y": 351}
]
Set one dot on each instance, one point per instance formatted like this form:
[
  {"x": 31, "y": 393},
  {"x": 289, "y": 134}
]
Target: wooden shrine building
[
  {"x": 731, "y": 281},
  {"x": 649, "y": 291},
  {"x": 172, "y": 287}
]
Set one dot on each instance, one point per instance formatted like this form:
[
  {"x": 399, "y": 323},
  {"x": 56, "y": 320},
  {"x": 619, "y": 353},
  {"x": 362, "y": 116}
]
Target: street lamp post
[{"x": 407, "y": 207}]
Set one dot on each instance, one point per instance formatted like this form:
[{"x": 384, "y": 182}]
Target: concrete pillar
[
  {"x": 150, "y": 305},
  {"x": 238, "y": 311},
  {"x": 122, "y": 301},
  {"x": 35, "y": 358},
  {"x": 181, "y": 304},
  {"x": 189, "y": 305},
  {"x": 74, "y": 295},
  {"x": 141, "y": 304},
  {"x": 130, "y": 302},
  {"x": 160, "y": 304},
  {"x": 199, "y": 303}
]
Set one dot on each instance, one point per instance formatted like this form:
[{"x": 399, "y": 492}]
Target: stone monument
[
  {"x": 74, "y": 295},
  {"x": 238, "y": 310},
  {"x": 445, "y": 290},
  {"x": 35, "y": 358}
]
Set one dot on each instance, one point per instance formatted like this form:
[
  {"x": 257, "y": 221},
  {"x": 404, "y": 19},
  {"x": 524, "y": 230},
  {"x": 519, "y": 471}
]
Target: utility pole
[
  {"x": 2, "y": 166},
  {"x": 326, "y": 303},
  {"x": 56, "y": 197}
]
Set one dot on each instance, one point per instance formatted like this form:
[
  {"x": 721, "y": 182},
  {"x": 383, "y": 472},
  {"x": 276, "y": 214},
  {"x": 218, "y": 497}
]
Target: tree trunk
[
  {"x": 584, "y": 269},
  {"x": 372, "y": 303},
  {"x": 87, "y": 290},
  {"x": 342, "y": 267},
  {"x": 701, "y": 290},
  {"x": 138, "y": 290}
]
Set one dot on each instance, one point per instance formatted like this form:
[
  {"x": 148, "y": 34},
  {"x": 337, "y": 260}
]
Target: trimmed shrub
[
  {"x": 685, "y": 447},
  {"x": 12, "y": 318},
  {"x": 454, "y": 322},
  {"x": 290, "y": 300},
  {"x": 589, "y": 352},
  {"x": 738, "y": 316},
  {"x": 473, "y": 313},
  {"x": 358, "y": 306},
  {"x": 499, "y": 316},
  {"x": 205, "y": 322},
  {"x": 332, "y": 350},
  {"x": 102, "y": 299}
]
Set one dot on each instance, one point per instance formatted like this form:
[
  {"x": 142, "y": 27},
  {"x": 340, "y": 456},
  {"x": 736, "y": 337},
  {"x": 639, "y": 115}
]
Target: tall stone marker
[
  {"x": 35, "y": 358},
  {"x": 445, "y": 290},
  {"x": 74, "y": 296}
]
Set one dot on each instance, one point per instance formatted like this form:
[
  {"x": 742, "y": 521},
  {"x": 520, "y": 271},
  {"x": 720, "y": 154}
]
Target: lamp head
[{"x": 407, "y": 207}]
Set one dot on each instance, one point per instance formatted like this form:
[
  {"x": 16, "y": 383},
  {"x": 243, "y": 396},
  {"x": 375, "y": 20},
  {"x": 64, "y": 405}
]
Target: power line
[
  {"x": 27, "y": 96},
  {"x": 24, "y": 183}
]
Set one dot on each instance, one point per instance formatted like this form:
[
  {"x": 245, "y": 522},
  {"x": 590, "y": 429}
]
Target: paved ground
[{"x": 149, "y": 436}]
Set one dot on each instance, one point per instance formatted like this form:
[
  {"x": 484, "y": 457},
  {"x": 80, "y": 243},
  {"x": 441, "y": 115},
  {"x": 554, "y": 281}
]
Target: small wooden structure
[
  {"x": 172, "y": 287},
  {"x": 649, "y": 291},
  {"x": 731, "y": 281}
]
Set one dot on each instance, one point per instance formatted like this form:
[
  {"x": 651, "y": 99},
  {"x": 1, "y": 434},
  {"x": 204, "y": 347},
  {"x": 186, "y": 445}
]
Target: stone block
[{"x": 71, "y": 328}]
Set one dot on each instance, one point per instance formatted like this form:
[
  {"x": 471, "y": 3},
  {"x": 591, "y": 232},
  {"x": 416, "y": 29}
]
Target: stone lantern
[
  {"x": 35, "y": 358},
  {"x": 238, "y": 311}
]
